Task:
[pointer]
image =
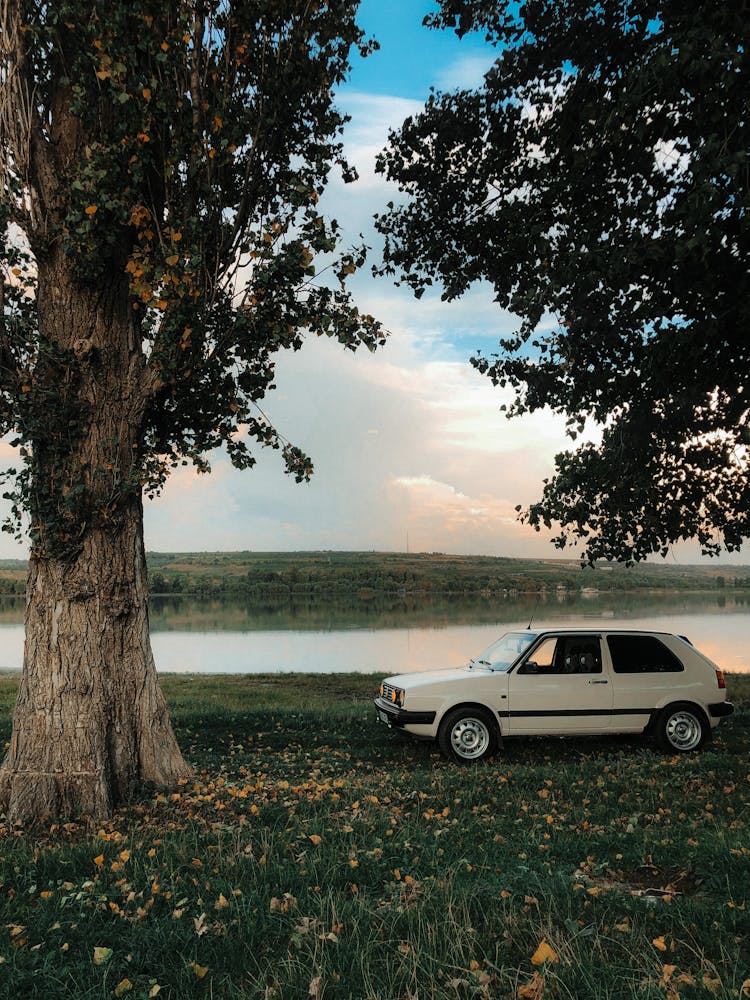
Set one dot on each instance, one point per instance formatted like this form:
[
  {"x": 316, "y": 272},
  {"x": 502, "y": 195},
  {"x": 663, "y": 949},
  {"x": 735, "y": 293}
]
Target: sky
[{"x": 410, "y": 449}]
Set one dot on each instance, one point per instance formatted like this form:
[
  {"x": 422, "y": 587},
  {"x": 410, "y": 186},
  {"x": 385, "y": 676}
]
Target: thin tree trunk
[{"x": 91, "y": 723}]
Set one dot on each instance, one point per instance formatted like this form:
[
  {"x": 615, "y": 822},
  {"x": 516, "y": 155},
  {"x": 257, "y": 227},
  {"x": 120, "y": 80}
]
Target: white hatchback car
[{"x": 563, "y": 682}]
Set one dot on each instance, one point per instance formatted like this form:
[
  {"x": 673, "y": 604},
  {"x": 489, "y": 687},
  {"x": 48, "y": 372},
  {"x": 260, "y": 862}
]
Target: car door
[
  {"x": 561, "y": 687},
  {"x": 645, "y": 673}
]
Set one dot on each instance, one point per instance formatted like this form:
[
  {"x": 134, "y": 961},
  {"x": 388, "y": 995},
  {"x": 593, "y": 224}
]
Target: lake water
[{"x": 193, "y": 636}]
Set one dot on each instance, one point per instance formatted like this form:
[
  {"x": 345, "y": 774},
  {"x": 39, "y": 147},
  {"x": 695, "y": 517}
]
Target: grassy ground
[{"x": 318, "y": 855}]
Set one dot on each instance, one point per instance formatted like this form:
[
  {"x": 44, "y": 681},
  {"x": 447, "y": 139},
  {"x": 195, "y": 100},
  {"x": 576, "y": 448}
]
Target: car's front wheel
[
  {"x": 468, "y": 735},
  {"x": 681, "y": 728}
]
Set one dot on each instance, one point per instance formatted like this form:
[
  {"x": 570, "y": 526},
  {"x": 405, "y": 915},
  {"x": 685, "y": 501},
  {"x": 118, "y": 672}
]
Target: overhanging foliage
[{"x": 598, "y": 180}]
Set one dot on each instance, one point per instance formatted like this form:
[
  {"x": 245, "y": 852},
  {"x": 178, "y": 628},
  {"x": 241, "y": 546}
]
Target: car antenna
[{"x": 533, "y": 611}]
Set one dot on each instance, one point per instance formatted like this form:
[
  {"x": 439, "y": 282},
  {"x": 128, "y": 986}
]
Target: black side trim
[
  {"x": 399, "y": 717},
  {"x": 720, "y": 710},
  {"x": 567, "y": 712}
]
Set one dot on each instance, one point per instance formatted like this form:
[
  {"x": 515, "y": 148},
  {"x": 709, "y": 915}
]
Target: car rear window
[{"x": 641, "y": 654}]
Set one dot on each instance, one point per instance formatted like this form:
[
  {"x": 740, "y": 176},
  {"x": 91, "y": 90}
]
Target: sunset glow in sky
[{"x": 409, "y": 445}]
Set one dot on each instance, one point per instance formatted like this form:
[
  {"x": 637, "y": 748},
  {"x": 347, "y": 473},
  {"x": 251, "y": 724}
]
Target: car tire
[
  {"x": 468, "y": 735},
  {"x": 681, "y": 728}
]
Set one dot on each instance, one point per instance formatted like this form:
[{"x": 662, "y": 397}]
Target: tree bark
[{"x": 91, "y": 723}]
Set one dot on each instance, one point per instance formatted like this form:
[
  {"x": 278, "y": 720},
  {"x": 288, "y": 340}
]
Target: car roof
[{"x": 596, "y": 630}]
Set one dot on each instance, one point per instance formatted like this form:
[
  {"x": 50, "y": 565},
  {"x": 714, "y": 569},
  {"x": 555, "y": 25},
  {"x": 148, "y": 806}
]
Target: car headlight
[{"x": 391, "y": 693}]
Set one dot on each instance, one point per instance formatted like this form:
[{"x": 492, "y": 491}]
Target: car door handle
[{"x": 598, "y": 682}]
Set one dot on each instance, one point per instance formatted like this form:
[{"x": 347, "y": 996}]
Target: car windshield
[{"x": 505, "y": 650}]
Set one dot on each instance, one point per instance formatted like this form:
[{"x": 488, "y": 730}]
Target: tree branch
[
  {"x": 10, "y": 372},
  {"x": 24, "y": 151}
]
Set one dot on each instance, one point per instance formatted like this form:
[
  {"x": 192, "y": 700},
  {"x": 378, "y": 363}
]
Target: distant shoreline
[{"x": 364, "y": 575}]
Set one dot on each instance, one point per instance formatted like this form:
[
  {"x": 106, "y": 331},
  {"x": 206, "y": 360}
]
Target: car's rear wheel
[
  {"x": 681, "y": 728},
  {"x": 468, "y": 735}
]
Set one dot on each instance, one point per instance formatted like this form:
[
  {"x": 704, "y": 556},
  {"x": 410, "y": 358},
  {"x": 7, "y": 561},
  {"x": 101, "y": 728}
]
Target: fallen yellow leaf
[
  {"x": 102, "y": 955},
  {"x": 544, "y": 953},
  {"x": 199, "y": 970},
  {"x": 124, "y": 986},
  {"x": 666, "y": 974},
  {"x": 659, "y": 943},
  {"x": 533, "y": 990},
  {"x": 712, "y": 984},
  {"x": 685, "y": 979}
]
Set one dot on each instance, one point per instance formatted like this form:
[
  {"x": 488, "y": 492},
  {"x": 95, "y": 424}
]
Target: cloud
[
  {"x": 355, "y": 205},
  {"x": 387, "y": 433},
  {"x": 453, "y": 521},
  {"x": 372, "y": 117},
  {"x": 466, "y": 72}
]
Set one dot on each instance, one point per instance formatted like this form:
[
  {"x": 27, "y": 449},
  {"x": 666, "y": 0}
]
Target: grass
[{"x": 318, "y": 855}]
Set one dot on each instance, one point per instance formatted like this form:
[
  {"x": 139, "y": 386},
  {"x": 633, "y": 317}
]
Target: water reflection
[{"x": 393, "y": 636}]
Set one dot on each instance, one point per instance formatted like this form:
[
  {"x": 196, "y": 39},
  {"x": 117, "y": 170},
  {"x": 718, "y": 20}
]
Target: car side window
[
  {"x": 581, "y": 655},
  {"x": 576, "y": 654},
  {"x": 641, "y": 654},
  {"x": 543, "y": 658}
]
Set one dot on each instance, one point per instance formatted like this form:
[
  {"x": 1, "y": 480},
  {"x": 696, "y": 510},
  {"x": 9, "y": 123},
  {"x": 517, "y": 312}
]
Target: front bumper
[
  {"x": 721, "y": 710},
  {"x": 392, "y": 715}
]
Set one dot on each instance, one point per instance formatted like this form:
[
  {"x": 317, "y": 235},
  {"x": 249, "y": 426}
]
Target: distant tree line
[
  {"x": 294, "y": 582},
  {"x": 368, "y": 575}
]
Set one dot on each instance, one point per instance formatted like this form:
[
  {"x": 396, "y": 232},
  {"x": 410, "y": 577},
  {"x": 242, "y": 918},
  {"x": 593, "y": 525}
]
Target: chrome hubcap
[
  {"x": 469, "y": 738},
  {"x": 684, "y": 731}
]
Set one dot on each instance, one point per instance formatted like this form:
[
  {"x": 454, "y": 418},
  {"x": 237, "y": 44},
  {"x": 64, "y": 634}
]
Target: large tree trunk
[{"x": 91, "y": 723}]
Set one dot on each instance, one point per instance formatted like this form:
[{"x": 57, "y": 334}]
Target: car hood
[{"x": 423, "y": 678}]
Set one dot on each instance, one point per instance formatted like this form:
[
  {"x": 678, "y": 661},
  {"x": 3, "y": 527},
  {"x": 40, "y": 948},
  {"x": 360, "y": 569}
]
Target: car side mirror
[{"x": 529, "y": 667}]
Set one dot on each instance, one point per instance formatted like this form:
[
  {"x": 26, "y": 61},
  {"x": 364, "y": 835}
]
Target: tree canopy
[
  {"x": 598, "y": 179},
  {"x": 175, "y": 151}
]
